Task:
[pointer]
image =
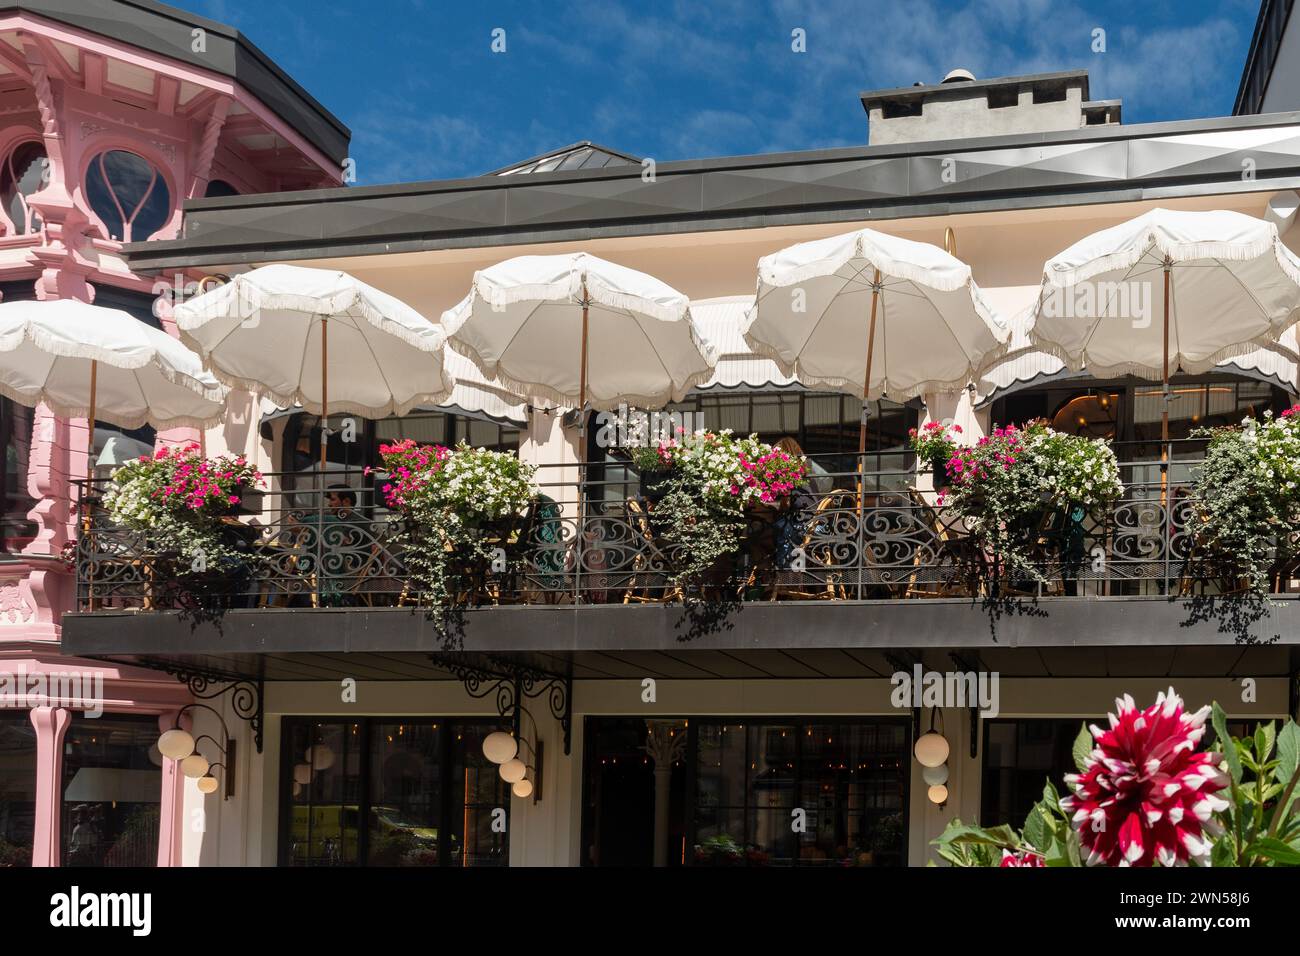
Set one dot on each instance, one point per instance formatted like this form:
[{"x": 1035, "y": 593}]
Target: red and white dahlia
[
  {"x": 1146, "y": 795},
  {"x": 1023, "y": 858}
]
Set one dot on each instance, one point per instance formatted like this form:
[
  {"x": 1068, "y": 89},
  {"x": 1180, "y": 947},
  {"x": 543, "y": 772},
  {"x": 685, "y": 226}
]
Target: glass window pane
[
  {"x": 480, "y": 802},
  {"x": 324, "y": 792},
  {"x": 405, "y": 794},
  {"x": 720, "y": 774},
  {"x": 112, "y": 790},
  {"x": 17, "y": 788}
]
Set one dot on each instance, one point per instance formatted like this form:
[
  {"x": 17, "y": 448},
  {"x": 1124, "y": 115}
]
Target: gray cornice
[{"x": 1042, "y": 170}]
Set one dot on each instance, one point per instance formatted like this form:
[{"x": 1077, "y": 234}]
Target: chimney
[{"x": 961, "y": 106}]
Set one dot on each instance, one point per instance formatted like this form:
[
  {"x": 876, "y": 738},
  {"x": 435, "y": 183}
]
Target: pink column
[
  {"x": 51, "y": 724},
  {"x": 170, "y": 832}
]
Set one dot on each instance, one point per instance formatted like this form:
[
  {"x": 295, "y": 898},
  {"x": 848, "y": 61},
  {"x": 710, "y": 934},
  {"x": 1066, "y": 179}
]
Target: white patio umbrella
[
  {"x": 320, "y": 338},
  {"x": 825, "y": 309},
  {"x": 1224, "y": 282},
  {"x": 85, "y": 360},
  {"x": 577, "y": 330}
]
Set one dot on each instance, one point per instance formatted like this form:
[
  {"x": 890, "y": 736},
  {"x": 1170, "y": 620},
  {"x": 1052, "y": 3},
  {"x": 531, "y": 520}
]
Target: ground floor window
[
  {"x": 728, "y": 792},
  {"x": 112, "y": 791},
  {"x": 17, "y": 788},
  {"x": 381, "y": 791}
]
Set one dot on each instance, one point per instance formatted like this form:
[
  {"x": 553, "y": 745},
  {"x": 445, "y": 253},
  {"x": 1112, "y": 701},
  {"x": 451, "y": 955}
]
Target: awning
[
  {"x": 738, "y": 366},
  {"x": 1024, "y": 365}
]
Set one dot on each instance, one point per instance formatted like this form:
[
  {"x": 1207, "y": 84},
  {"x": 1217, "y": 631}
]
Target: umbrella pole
[
  {"x": 1164, "y": 396},
  {"x": 866, "y": 383},
  {"x": 324, "y": 448},
  {"x": 324, "y": 392},
  {"x": 582, "y": 453}
]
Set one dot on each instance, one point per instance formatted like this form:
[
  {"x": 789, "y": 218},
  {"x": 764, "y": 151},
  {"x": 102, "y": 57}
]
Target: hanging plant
[
  {"x": 715, "y": 481},
  {"x": 455, "y": 506},
  {"x": 1004, "y": 486},
  {"x": 177, "y": 498},
  {"x": 935, "y": 444},
  {"x": 1248, "y": 501}
]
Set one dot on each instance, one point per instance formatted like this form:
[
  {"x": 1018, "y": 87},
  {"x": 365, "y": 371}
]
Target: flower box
[{"x": 654, "y": 485}]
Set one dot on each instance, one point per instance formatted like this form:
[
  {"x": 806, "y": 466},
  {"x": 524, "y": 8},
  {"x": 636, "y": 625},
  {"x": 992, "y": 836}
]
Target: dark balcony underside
[{"x": 1050, "y": 637}]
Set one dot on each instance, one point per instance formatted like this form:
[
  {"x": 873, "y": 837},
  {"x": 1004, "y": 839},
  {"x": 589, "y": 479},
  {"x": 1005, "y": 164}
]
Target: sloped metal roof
[{"x": 583, "y": 155}]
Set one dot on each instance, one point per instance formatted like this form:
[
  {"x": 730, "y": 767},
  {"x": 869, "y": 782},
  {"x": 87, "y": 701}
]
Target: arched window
[
  {"x": 219, "y": 187},
  {"x": 23, "y": 173},
  {"x": 128, "y": 195}
]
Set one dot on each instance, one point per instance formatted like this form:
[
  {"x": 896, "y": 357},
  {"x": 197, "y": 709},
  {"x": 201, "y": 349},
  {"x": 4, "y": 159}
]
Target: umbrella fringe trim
[
  {"x": 794, "y": 370},
  {"x": 528, "y": 391},
  {"x": 1177, "y": 364},
  {"x": 1177, "y": 252},
  {"x": 62, "y": 348},
  {"x": 295, "y": 397},
  {"x": 63, "y": 410},
  {"x": 350, "y": 303}
]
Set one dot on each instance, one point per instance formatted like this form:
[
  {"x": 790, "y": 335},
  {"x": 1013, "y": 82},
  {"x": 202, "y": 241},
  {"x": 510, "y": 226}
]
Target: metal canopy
[
  {"x": 1257, "y": 661},
  {"x": 955, "y": 623}
]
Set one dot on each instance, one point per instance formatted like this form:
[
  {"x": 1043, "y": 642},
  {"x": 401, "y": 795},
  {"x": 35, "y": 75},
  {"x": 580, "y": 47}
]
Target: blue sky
[{"x": 427, "y": 98}]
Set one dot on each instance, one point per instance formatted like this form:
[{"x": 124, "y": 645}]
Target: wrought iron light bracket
[
  {"x": 246, "y": 697},
  {"x": 511, "y": 684}
]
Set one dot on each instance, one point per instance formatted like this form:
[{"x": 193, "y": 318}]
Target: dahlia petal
[{"x": 1175, "y": 815}]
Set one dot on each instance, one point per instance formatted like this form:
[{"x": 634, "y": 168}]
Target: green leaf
[
  {"x": 1220, "y": 721},
  {"x": 1288, "y": 753},
  {"x": 1051, "y": 799},
  {"x": 1082, "y": 748},
  {"x": 1037, "y": 831},
  {"x": 1265, "y": 735},
  {"x": 1002, "y": 836},
  {"x": 1274, "y": 849},
  {"x": 1072, "y": 850},
  {"x": 1222, "y": 853}
]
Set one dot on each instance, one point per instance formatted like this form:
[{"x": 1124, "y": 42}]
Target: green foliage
[
  {"x": 1003, "y": 487},
  {"x": 1261, "y": 826},
  {"x": 178, "y": 498},
  {"x": 1248, "y": 501},
  {"x": 454, "y": 507}
]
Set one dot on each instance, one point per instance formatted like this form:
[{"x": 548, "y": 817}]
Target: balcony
[{"x": 598, "y": 543}]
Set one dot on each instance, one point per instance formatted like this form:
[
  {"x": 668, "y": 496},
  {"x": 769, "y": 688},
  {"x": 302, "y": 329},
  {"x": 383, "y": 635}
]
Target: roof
[
  {"x": 1089, "y": 165},
  {"x": 1270, "y": 27},
  {"x": 166, "y": 31},
  {"x": 581, "y": 155},
  {"x": 926, "y": 90}
]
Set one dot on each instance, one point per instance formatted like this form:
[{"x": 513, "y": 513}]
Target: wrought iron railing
[{"x": 601, "y": 542}]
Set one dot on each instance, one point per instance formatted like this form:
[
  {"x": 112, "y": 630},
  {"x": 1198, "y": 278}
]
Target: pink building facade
[{"x": 101, "y": 140}]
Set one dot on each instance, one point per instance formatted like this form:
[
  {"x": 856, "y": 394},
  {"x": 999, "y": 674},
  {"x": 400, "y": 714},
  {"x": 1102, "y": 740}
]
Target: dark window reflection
[
  {"x": 346, "y": 460},
  {"x": 128, "y": 195},
  {"x": 17, "y": 788},
  {"x": 219, "y": 187},
  {"x": 1128, "y": 412},
  {"x": 847, "y": 779},
  {"x": 112, "y": 790},
  {"x": 384, "y": 792},
  {"x": 24, "y": 172}
]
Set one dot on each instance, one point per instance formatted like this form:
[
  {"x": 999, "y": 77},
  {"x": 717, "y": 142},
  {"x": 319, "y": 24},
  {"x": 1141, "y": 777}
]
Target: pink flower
[
  {"x": 1146, "y": 795},
  {"x": 1023, "y": 858}
]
